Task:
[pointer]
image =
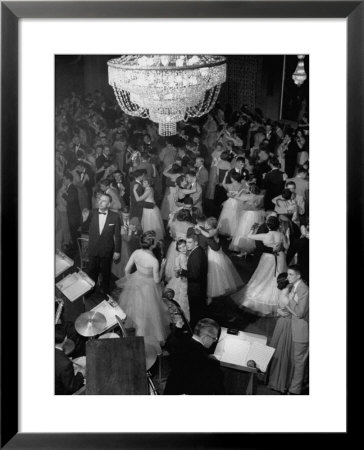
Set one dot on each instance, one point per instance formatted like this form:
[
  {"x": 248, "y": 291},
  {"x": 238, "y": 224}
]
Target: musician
[
  {"x": 104, "y": 240},
  {"x": 66, "y": 382},
  {"x": 194, "y": 372}
]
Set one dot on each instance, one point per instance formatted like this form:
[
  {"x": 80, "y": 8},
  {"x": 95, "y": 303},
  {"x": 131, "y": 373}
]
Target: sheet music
[
  {"x": 75, "y": 285},
  {"x": 63, "y": 262},
  {"x": 234, "y": 350},
  {"x": 239, "y": 349},
  {"x": 109, "y": 312},
  {"x": 261, "y": 354}
]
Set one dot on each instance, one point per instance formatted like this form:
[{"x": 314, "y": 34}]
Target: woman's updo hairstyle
[
  {"x": 147, "y": 241},
  {"x": 286, "y": 194},
  {"x": 180, "y": 180},
  {"x": 183, "y": 216},
  {"x": 212, "y": 222},
  {"x": 254, "y": 189},
  {"x": 282, "y": 281},
  {"x": 272, "y": 223}
]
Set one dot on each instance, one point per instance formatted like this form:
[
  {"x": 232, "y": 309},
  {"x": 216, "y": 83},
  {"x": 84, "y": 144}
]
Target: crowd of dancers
[{"x": 175, "y": 212}]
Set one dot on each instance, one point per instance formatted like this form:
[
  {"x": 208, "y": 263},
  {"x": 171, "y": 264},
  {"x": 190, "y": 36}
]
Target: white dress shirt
[{"x": 102, "y": 220}]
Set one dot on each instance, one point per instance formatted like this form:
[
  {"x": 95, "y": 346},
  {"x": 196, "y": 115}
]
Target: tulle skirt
[
  {"x": 170, "y": 261},
  {"x": 228, "y": 220},
  {"x": 141, "y": 300},
  {"x": 179, "y": 285},
  {"x": 281, "y": 367},
  {"x": 118, "y": 269},
  {"x": 152, "y": 220},
  {"x": 260, "y": 295},
  {"x": 222, "y": 277},
  {"x": 168, "y": 203},
  {"x": 240, "y": 242}
]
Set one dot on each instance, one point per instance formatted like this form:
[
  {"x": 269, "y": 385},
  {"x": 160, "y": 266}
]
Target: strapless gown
[{"x": 141, "y": 300}]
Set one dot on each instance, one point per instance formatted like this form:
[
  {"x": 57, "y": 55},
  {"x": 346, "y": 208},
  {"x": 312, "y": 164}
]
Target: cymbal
[
  {"x": 90, "y": 323},
  {"x": 69, "y": 346}
]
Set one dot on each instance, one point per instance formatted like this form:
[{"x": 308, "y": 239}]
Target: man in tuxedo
[
  {"x": 239, "y": 169},
  {"x": 194, "y": 371},
  {"x": 66, "y": 382},
  {"x": 298, "y": 303},
  {"x": 104, "y": 240},
  {"x": 196, "y": 274},
  {"x": 136, "y": 207},
  {"x": 196, "y": 196},
  {"x": 73, "y": 208},
  {"x": 273, "y": 183}
]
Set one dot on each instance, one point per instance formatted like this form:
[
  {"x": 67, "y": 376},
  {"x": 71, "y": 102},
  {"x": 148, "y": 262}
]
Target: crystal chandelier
[
  {"x": 299, "y": 74},
  {"x": 167, "y": 88}
]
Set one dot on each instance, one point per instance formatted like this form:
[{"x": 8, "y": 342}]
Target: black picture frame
[{"x": 11, "y": 12}]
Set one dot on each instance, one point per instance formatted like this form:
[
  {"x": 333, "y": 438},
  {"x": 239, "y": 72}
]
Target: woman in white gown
[
  {"x": 222, "y": 277},
  {"x": 141, "y": 296},
  {"x": 260, "y": 295},
  {"x": 151, "y": 218},
  {"x": 179, "y": 284},
  {"x": 172, "y": 172},
  {"x": 251, "y": 212},
  {"x": 178, "y": 230},
  {"x": 228, "y": 220}
]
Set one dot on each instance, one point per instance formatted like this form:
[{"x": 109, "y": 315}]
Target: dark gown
[{"x": 281, "y": 366}]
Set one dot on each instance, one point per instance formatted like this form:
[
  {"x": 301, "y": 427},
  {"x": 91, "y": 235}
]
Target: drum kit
[{"x": 91, "y": 324}]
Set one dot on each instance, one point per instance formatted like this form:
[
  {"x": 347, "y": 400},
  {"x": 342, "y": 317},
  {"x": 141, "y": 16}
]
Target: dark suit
[
  {"x": 73, "y": 212},
  {"x": 193, "y": 372},
  {"x": 260, "y": 247},
  {"x": 101, "y": 247},
  {"x": 301, "y": 247},
  {"x": 136, "y": 208},
  {"x": 274, "y": 184},
  {"x": 291, "y": 158},
  {"x": 66, "y": 382},
  {"x": 196, "y": 275},
  {"x": 243, "y": 175}
]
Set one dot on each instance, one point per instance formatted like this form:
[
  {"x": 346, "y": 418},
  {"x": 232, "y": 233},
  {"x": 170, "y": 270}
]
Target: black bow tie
[{"x": 102, "y": 213}]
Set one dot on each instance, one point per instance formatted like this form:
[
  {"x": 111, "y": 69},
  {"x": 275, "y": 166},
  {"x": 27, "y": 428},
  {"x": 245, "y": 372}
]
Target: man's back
[{"x": 194, "y": 372}]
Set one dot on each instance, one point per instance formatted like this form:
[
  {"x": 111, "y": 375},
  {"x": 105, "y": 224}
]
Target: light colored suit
[
  {"x": 300, "y": 336},
  {"x": 197, "y": 197},
  {"x": 202, "y": 177}
]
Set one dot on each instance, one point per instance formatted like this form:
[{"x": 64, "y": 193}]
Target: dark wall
[{"x": 252, "y": 80}]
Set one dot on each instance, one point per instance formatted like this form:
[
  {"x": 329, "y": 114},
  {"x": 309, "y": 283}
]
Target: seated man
[
  {"x": 66, "y": 382},
  {"x": 194, "y": 371}
]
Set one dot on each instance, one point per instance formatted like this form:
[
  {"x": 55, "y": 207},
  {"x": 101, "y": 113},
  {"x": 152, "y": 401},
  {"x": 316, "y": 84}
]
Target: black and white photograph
[{"x": 182, "y": 224}]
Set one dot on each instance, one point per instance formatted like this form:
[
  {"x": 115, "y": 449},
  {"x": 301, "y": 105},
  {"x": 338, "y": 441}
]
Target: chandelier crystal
[
  {"x": 167, "y": 88},
  {"x": 299, "y": 75}
]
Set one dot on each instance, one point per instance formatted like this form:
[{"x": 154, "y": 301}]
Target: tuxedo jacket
[
  {"x": 73, "y": 205},
  {"x": 261, "y": 248},
  {"x": 243, "y": 175},
  {"x": 109, "y": 241},
  {"x": 299, "y": 305},
  {"x": 66, "y": 382},
  {"x": 193, "y": 372},
  {"x": 196, "y": 273}
]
